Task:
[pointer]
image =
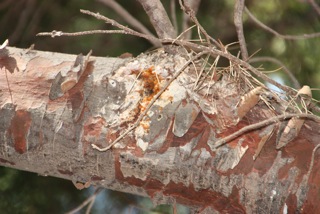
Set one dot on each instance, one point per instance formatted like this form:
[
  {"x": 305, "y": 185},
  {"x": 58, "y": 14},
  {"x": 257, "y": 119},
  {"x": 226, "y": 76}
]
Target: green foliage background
[{"x": 20, "y": 21}]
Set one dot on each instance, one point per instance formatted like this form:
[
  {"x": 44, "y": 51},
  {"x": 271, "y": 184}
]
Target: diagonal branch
[
  {"x": 238, "y": 11},
  {"x": 159, "y": 18},
  {"x": 270, "y": 30},
  {"x": 294, "y": 80},
  {"x": 194, "y": 5},
  {"x": 129, "y": 18},
  {"x": 314, "y": 5},
  {"x": 191, "y": 13}
]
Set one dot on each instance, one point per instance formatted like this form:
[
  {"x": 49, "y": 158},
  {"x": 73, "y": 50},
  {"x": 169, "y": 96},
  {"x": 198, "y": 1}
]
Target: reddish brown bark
[{"x": 170, "y": 155}]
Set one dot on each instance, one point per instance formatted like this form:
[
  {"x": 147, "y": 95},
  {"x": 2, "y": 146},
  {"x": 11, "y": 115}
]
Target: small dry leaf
[
  {"x": 289, "y": 131},
  {"x": 248, "y": 101}
]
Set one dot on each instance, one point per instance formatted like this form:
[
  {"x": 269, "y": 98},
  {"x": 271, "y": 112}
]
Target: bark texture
[{"x": 54, "y": 106}]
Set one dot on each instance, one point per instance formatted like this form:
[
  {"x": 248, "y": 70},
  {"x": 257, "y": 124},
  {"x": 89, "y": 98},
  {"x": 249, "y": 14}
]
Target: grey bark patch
[
  {"x": 160, "y": 124},
  {"x": 55, "y": 90},
  {"x": 183, "y": 118}
]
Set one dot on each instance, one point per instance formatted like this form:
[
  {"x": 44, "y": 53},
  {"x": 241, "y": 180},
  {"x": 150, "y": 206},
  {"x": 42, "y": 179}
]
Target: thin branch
[
  {"x": 192, "y": 16},
  {"x": 237, "y": 18},
  {"x": 154, "y": 99},
  {"x": 312, "y": 160},
  {"x": 159, "y": 18},
  {"x": 188, "y": 10},
  {"x": 315, "y": 6},
  {"x": 270, "y": 30},
  {"x": 128, "y": 18},
  {"x": 293, "y": 79},
  {"x": 116, "y": 24},
  {"x": 55, "y": 33},
  {"x": 261, "y": 124},
  {"x": 194, "y": 5},
  {"x": 90, "y": 200}
]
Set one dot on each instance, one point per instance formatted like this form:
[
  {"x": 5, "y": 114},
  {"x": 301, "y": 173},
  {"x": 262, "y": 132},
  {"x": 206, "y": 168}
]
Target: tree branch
[
  {"x": 314, "y": 5},
  {"x": 293, "y": 79},
  {"x": 238, "y": 10},
  {"x": 270, "y": 30},
  {"x": 159, "y": 18},
  {"x": 129, "y": 18},
  {"x": 171, "y": 141},
  {"x": 194, "y": 5}
]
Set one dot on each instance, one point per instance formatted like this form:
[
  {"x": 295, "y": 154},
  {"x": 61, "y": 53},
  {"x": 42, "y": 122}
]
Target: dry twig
[
  {"x": 194, "y": 5},
  {"x": 294, "y": 80},
  {"x": 55, "y": 33},
  {"x": 129, "y": 18},
  {"x": 189, "y": 11},
  {"x": 312, "y": 160},
  {"x": 261, "y": 124},
  {"x": 124, "y": 29}
]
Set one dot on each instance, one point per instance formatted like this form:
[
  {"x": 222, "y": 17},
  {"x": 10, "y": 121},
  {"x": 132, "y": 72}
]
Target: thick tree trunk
[{"x": 54, "y": 106}]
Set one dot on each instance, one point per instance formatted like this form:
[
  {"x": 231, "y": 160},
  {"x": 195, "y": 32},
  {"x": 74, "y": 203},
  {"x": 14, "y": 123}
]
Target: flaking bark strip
[{"x": 63, "y": 82}]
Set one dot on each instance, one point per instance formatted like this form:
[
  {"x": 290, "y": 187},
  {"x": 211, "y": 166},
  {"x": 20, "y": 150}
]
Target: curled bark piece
[
  {"x": 63, "y": 82},
  {"x": 75, "y": 73},
  {"x": 265, "y": 136}
]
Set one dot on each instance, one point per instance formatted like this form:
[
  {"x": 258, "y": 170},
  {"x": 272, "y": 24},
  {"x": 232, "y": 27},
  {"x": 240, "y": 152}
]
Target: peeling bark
[{"x": 170, "y": 156}]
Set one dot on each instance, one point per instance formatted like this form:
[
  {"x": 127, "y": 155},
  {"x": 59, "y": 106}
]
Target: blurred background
[{"x": 21, "y": 20}]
